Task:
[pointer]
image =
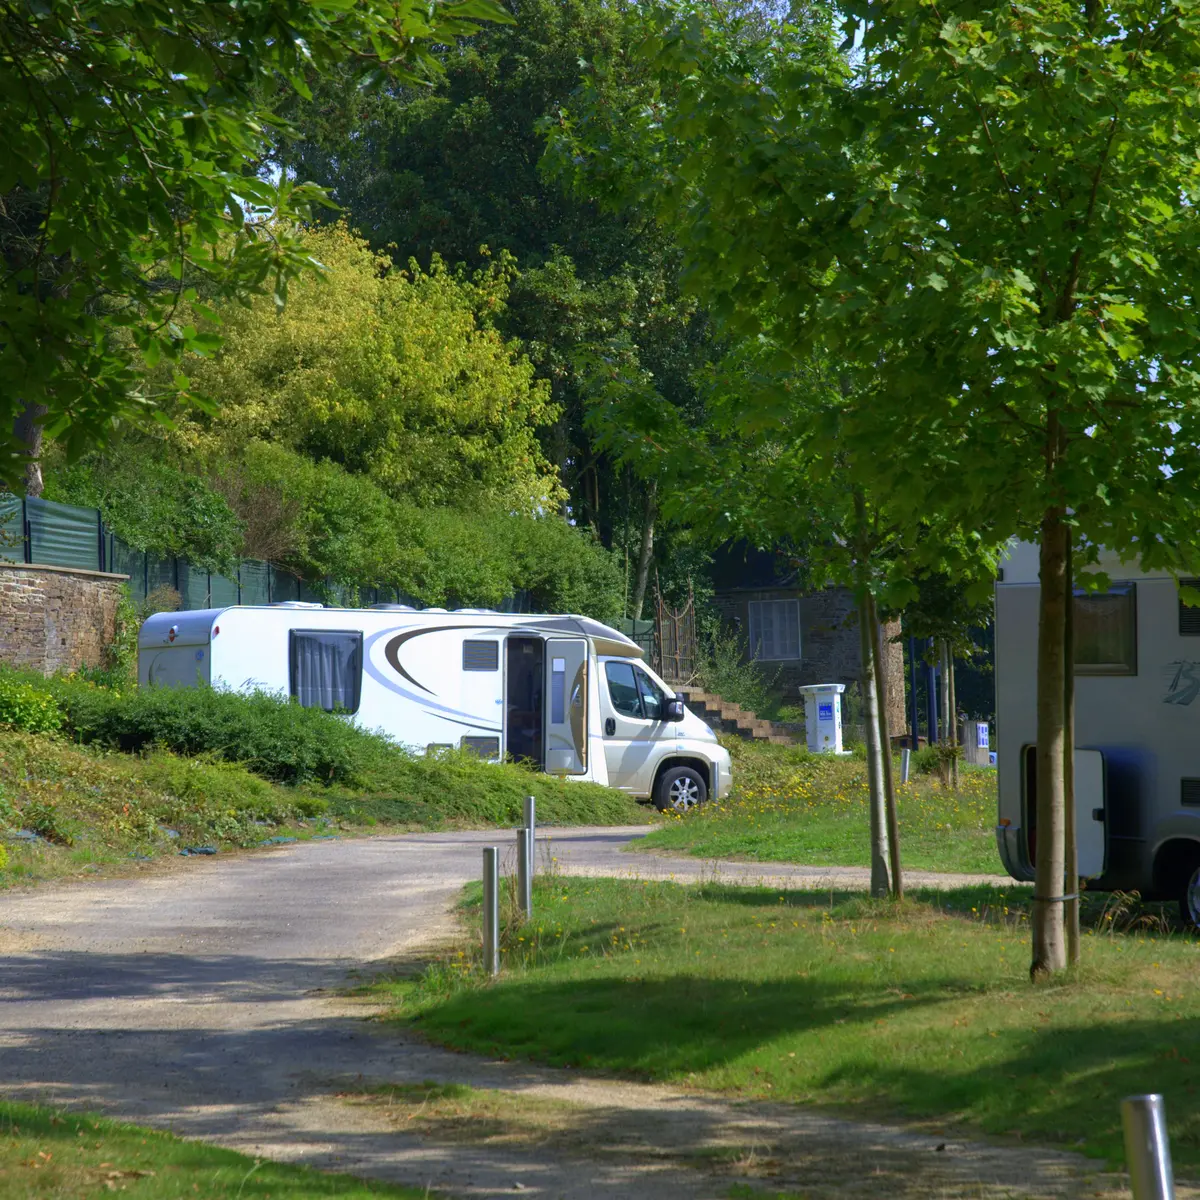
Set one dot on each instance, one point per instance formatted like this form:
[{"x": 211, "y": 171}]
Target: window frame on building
[{"x": 778, "y": 649}]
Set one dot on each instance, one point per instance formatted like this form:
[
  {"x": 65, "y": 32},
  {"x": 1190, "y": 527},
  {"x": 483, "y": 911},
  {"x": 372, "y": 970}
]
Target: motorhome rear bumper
[{"x": 1011, "y": 844}]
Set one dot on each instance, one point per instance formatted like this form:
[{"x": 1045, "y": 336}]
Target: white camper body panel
[
  {"x": 1137, "y": 735},
  {"x": 432, "y": 679}
]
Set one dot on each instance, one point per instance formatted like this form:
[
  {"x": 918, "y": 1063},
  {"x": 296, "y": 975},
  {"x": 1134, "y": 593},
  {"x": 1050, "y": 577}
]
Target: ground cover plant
[
  {"x": 791, "y": 806},
  {"x": 91, "y": 777},
  {"x": 51, "y": 1154},
  {"x": 921, "y": 1009}
]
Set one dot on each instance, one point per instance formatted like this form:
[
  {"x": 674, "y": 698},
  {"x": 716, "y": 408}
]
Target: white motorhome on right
[{"x": 1137, "y": 730}]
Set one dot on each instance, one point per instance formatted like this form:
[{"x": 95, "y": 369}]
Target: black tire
[
  {"x": 1189, "y": 897},
  {"x": 680, "y": 789}
]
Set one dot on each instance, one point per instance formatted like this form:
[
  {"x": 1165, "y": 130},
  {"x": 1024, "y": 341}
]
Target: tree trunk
[
  {"x": 1049, "y": 945},
  {"x": 646, "y": 553},
  {"x": 885, "y": 741},
  {"x": 1070, "y": 845},
  {"x": 943, "y": 656},
  {"x": 952, "y": 692},
  {"x": 875, "y": 778},
  {"x": 27, "y": 430}
]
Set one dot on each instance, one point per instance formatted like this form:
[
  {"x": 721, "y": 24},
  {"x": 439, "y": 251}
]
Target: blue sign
[
  {"x": 982, "y": 735},
  {"x": 824, "y": 712}
]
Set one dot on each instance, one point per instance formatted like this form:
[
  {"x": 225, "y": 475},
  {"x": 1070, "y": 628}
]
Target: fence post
[
  {"x": 524, "y": 874},
  {"x": 531, "y": 834},
  {"x": 491, "y": 910},
  {"x": 1147, "y": 1150},
  {"x": 905, "y": 764}
]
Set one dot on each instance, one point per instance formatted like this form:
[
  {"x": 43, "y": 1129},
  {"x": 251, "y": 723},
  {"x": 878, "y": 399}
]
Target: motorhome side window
[
  {"x": 325, "y": 668},
  {"x": 1106, "y": 631},
  {"x": 623, "y": 688},
  {"x": 633, "y": 692},
  {"x": 652, "y": 698}
]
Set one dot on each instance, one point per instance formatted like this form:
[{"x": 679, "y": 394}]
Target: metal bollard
[
  {"x": 524, "y": 874},
  {"x": 531, "y": 833},
  {"x": 905, "y": 764},
  {"x": 491, "y": 910},
  {"x": 1147, "y": 1150}
]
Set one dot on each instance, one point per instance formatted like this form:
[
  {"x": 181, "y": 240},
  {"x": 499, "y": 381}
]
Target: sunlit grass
[
  {"x": 53, "y": 1155},
  {"x": 922, "y": 1010},
  {"x": 791, "y": 806}
]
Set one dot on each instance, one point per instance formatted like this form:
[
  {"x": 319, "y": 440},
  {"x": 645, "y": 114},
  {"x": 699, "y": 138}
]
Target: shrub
[
  {"x": 25, "y": 707},
  {"x": 724, "y": 667},
  {"x": 275, "y": 739}
]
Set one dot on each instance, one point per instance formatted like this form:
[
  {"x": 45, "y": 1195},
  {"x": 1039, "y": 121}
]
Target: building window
[
  {"x": 1106, "y": 631},
  {"x": 774, "y": 629},
  {"x": 1189, "y": 615},
  {"x": 481, "y": 656},
  {"x": 325, "y": 669}
]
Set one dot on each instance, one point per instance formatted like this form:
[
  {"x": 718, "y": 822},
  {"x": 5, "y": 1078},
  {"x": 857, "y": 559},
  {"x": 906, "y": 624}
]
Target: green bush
[
  {"x": 26, "y": 707},
  {"x": 724, "y": 667},
  {"x": 275, "y": 739}
]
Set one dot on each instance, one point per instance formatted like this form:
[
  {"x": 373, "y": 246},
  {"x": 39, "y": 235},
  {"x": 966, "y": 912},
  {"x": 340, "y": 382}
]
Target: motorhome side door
[
  {"x": 566, "y": 702},
  {"x": 1091, "y": 827}
]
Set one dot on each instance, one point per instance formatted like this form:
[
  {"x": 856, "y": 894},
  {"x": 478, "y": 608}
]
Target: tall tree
[
  {"x": 995, "y": 209},
  {"x": 133, "y": 138},
  {"x": 452, "y": 170}
]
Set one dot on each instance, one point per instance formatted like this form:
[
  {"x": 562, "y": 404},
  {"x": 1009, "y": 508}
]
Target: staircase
[{"x": 732, "y": 718}]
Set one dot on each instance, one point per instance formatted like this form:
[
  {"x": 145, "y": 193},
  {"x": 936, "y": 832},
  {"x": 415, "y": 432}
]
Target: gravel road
[{"x": 205, "y": 1000}]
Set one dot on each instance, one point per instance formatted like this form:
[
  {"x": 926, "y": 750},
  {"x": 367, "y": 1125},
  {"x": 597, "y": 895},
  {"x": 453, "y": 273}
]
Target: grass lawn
[
  {"x": 49, "y": 1154},
  {"x": 922, "y": 1011},
  {"x": 791, "y": 806}
]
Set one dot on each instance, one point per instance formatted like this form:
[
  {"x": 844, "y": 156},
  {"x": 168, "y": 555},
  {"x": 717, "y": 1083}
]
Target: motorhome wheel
[
  {"x": 680, "y": 790},
  {"x": 1189, "y": 900}
]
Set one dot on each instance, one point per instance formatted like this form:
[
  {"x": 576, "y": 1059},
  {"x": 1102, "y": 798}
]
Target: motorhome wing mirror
[{"x": 675, "y": 708}]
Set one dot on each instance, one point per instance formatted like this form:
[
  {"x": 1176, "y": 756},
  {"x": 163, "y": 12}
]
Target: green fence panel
[
  {"x": 308, "y": 595},
  {"x": 63, "y": 535},
  {"x": 255, "y": 580},
  {"x": 12, "y": 529},
  {"x": 161, "y": 573},
  {"x": 222, "y": 591},
  {"x": 193, "y": 586},
  {"x": 125, "y": 560},
  {"x": 283, "y": 586}
]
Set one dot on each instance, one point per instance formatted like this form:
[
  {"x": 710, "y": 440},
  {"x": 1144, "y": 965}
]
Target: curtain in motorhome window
[
  {"x": 326, "y": 669},
  {"x": 1106, "y": 631},
  {"x": 774, "y": 629}
]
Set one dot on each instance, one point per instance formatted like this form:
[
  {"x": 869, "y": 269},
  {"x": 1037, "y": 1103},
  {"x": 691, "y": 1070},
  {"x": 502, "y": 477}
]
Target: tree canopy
[
  {"x": 399, "y": 375},
  {"x": 132, "y": 174}
]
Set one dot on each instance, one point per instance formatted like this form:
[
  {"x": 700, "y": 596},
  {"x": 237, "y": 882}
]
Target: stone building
[{"x": 799, "y": 635}]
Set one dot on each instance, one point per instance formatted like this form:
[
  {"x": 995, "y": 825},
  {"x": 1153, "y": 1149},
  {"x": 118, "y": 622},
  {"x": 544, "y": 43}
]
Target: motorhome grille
[
  {"x": 1189, "y": 617},
  {"x": 481, "y": 656},
  {"x": 1189, "y": 793},
  {"x": 483, "y": 746}
]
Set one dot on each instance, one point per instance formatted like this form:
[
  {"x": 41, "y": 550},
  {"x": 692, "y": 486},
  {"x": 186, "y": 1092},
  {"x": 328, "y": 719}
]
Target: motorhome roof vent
[
  {"x": 296, "y": 604},
  {"x": 441, "y": 610},
  {"x": 476, "y": 612},
  {"x": 392, "y": 608}
]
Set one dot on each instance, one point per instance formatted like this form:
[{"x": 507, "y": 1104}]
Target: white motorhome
[
  {"x": 1137, "y": 730},
  {"x": 563, "y": 692}
]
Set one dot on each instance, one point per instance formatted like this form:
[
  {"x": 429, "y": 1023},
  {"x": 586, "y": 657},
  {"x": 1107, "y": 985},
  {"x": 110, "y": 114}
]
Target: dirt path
[{"x": 205, "y": 1001}]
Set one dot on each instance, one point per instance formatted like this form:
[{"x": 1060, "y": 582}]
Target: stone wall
[
  {"x": 56, "y": 618},
  {"x": 829, "y": 646}
]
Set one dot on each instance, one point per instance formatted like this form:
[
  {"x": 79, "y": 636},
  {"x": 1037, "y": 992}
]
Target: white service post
[{"x": 823, "y": 717}]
